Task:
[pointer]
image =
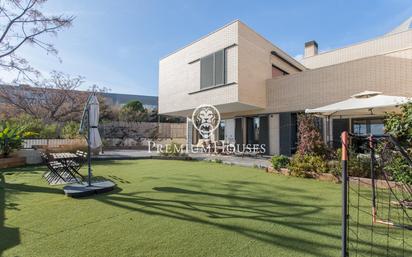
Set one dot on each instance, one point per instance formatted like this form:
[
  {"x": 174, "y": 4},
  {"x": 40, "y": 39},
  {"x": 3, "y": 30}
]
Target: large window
[
  {"x": 368, "y": 126},
  {"x": 212, "y": 70}
]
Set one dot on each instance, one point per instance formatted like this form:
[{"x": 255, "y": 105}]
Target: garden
[
  {"x": 195, "y": 208},
  {"x": 314, "y": 158},
  {"x": 173, "y": 208},
  {"x": 180, "y": 208}
]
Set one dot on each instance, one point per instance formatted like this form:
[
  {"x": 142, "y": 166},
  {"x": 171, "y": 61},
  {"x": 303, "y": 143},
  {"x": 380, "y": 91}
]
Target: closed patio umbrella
[
  {"x": 95, "y": 140},
  {"x": 90, "y": 121}
]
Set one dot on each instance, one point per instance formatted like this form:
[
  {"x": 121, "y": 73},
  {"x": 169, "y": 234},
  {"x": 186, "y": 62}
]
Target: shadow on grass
[
  {"x": 9, "y": 237},
  {"x": 216, "y": 210},
  {"x": 249, "y": 208}
]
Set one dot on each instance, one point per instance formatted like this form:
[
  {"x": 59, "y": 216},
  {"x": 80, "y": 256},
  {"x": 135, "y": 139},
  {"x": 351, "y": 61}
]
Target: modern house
[{"x": 259, "y": 89}]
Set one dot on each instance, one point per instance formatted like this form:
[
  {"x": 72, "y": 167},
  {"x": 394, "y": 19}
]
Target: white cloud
[{"x": 298, "y": 57}]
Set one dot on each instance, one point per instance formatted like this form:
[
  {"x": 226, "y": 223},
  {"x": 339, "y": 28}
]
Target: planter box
[{"x": 12, "y": 162}]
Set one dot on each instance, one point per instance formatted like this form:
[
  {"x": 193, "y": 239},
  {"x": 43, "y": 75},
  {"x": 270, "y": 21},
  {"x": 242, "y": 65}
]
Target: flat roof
[
  {"x": 197, "y": 40},
  {"x": 290, "y": 58}
]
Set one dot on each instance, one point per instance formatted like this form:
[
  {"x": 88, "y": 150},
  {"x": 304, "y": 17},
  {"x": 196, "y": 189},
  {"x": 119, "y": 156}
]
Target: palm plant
[{"x": 11, "y": 138}]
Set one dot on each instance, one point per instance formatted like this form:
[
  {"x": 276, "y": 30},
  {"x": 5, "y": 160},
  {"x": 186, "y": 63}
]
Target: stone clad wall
[
  {"x": 137, "y": 134},
  {"x": 142, "y": 130}
]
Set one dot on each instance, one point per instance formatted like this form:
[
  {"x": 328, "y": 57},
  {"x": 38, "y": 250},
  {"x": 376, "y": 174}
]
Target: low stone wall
[
  {"x": 368, "y": 182},
  {"x": 137, "y": 143},
  {"x": 331, "y": 177},
  {"x": 142, "y": 130},
  {"x": 318, "y": 176}
]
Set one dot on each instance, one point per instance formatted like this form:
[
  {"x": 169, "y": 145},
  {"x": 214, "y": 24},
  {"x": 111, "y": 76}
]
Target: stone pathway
[{"x": 262, "y": 162}]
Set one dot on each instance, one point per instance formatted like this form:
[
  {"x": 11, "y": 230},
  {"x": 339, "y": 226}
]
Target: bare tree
[
  {"x": 58, "y": 99},
  {"x": 22, "y": 22}
]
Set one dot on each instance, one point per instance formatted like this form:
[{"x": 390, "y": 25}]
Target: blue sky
[{"x": 118, "y": 44}]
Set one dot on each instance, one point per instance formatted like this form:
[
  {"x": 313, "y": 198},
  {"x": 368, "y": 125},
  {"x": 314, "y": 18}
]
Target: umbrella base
[{"x": 83, "y": 189}]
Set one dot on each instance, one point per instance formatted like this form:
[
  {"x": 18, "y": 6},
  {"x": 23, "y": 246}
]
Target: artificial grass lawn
[{"x": 171, "y": 208}]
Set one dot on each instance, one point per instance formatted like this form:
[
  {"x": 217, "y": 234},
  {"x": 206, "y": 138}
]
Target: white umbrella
[
  {"x": 365, "y": 103},
  {"x": 94, "y": 140}
]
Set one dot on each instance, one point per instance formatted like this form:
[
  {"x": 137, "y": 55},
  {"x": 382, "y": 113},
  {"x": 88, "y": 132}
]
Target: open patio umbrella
[{"x": 366, "y": 103}]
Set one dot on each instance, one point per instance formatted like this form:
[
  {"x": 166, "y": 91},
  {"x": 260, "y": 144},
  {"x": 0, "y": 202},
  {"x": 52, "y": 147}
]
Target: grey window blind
[
  {"x": 212, "y": 69},
  {"x": 219, "y": 67},
  {"x": 206, "y": 71}
]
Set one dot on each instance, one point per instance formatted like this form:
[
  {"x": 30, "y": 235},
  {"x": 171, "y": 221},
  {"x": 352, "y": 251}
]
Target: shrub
[
  {"x": 280, "y": 161},
  {"x": 37, "y": 127},
  {"x": 28, "y": 122},
  {"x": 334, "y": 167},
  {"x": 310, "y": 140},
  {"x": 400, "y": 170},
  {"x": 49, "y": 131},
  {"x": 133, "y": 111},
  {"x": 71, "y": 130},
  {"x": 11, "y": 138},
  {"x": 302, "y": 164},
  {"x": 400, "y": 125},
  {"x": 358, "y": 164}
]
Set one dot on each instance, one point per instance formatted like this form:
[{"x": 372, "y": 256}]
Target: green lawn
[{"x": 172, "y": 208}]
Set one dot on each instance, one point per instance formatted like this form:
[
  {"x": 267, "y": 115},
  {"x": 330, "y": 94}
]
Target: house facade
[{"x": 259, "y": 89}]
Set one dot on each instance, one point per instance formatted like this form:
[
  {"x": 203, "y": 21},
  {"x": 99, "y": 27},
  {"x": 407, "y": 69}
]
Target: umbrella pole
[{"x": 89, "y": 158}]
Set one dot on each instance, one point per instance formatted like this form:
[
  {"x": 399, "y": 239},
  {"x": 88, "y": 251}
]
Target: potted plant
[{"x": 11, "y": 139}]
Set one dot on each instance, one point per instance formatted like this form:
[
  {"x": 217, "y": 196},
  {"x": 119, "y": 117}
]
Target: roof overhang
[{"x": 222, "y": 108}]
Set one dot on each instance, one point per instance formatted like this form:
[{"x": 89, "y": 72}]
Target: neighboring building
[
  {"x": 259, "y": 89},
  {"x": 149, "y": 102},
  {"x": 112, "y": 99}
]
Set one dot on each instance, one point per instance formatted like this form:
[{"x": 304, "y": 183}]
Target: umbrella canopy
[
  {"x": 365, "y": 103},
  {"x": 95, "y": 140}
]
